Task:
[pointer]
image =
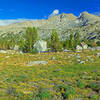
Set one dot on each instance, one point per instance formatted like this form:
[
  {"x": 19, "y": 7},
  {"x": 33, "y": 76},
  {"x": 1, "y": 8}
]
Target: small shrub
[
  {"x": 92, "y": 85},
  {"x": 66, "y": 91},
  {"x": 80, "y": 84},
  {"x": 34, "y": 51},
  {"x": 98, "y": 43},
  {"x": 44, "y": 94},
  {"x": 69, "y": 91},
  {"x": 94, "y": 97}
]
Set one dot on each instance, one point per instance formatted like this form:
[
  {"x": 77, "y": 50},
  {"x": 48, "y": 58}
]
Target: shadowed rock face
[
  {"x": 87, "y": 18},
  {"x": 64, "y": 23}
]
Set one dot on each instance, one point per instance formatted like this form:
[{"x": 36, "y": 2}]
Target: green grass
[{"x": 59, "y": 79}]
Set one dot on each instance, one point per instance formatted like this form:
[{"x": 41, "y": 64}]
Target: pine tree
[
  {"x": 67, "y": 43},
  {"x": 55, "y": 41},
  {"x": 77, "y": 39},
  {"x": 31, "y": 37},
  {"x": 71, "y": 42}
]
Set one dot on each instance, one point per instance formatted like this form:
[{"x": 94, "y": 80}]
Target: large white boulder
[
  {"x": 16, "y": 47},
  {"x": 84, "y": 45},
  {"x": 78, "y": 48},
  {"x": 41, "y": 45},
  {"x": 3, "y": 51}
]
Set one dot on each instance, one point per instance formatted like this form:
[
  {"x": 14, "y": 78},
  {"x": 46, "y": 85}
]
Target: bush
[
  {"x": 94, "y": 97},
  {"x": 66, "y": 91},
  {"x": 34, "y": 51},
  {"x": 92, "y": 43},
  {"x": 80, "y": 84},
  {"x": 44, "y": 94},
  {"x": 69, "y": 91},
  {"x": 98, "y": 43}
]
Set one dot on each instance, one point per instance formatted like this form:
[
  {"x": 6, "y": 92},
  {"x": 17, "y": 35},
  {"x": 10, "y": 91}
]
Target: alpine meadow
[{"x": 55, "y": 57}]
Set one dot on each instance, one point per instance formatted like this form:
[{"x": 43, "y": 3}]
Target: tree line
[{"x": 29, "y": 38}]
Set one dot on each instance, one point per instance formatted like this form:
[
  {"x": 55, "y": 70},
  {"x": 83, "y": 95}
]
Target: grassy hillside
[{"x": 67, "y": 76}]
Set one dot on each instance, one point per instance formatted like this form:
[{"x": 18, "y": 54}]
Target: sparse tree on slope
[
  {"x": 71, "y": 42},
  {"x": 31, "y": 37},
  {"x": 67, "y": 43},
  {"x": 77, "y": 39},
  {"x": 55, "y": 41}
]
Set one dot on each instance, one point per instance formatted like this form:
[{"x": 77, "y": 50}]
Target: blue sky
[{"x": 39, "y": 9}]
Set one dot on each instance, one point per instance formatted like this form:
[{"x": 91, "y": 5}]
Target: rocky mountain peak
[
  {"x": 87, "y": 18},
  {"x": 65, "y": 24},
  {"x": 70, "y": 15},
  {"x": 63, "y": 16},
  {"x": 84, "y": 13}
]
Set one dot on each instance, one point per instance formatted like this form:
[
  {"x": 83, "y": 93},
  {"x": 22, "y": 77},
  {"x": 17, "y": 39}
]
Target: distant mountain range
[{"x": 88, "y": 25}]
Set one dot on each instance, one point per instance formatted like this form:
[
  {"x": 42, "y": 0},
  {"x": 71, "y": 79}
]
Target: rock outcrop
[{"x": 88, "y": 25}]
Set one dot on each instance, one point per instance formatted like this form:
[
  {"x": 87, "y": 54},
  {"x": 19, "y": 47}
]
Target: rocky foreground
[{"x": 50, "y": 76}]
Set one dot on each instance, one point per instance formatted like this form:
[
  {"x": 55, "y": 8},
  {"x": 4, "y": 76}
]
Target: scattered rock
[
  {"x": 70, "y": 54},
  {"x": 16, "y": 48},
  {"x": 78, "y": 99},
  {"x": 92, "y": 59},
  {"x": 66, "y": 50},
  {"x": 86, "y": 60},
  {"x": 82, "y": 62},
  {"x": 92, "y": 49},
  {"x": 86, "y": 77},
  {"x": 7, "y": 56},
  {"x": 78, "y": 48},
  {"x": 21, "y": 52},
  {"x": 3, "y": 51},
  {"x": 98, "y": 54},
  {"x": 97, "y": 48},
  {"x": 89, "y": 57},
  {"x": 78, "y": 57},
  {"x": 37, "y": 62},
  {"x": 78, "y": 60},
  {"x": 53, "y": 58},
  {"x": 84, "y": 45},
  {"x": 78, "y": 54},
  {"x": 84, "y": 73}
]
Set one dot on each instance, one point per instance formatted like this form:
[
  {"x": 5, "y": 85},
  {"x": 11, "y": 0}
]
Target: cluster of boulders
[
  {"x": 82, "y": 46},
  {"x": 41, "y": 46}
]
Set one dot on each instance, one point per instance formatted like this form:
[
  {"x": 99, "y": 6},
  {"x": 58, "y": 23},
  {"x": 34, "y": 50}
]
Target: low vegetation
[{"x": 63, "y": 78}]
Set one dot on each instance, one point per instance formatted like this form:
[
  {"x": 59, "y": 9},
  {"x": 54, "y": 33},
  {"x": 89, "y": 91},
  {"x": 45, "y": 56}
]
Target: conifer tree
[
  {"x": 31, "y": 37},
  {"x": 67, "y": 43},
  {"x": 77, "y": 39},
  {"x": 71, "y": 42},
  {"x": 55, "y": 41}
]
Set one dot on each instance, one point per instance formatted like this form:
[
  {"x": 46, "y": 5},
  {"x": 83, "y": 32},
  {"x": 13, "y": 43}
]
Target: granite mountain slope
[{"x": 88, "y": 25}]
